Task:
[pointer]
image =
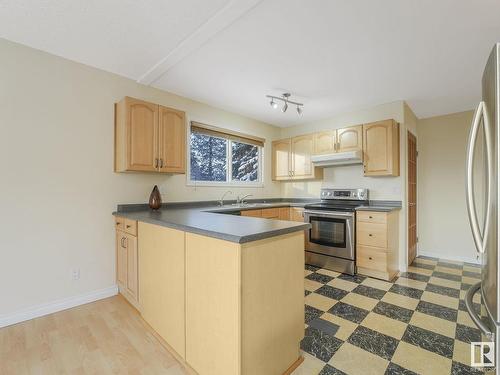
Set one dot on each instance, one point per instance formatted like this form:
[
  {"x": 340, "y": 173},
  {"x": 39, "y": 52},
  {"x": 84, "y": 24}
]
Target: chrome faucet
[
  {"x": 242, "y": 199},
  {"x": 221, "y": 201}
]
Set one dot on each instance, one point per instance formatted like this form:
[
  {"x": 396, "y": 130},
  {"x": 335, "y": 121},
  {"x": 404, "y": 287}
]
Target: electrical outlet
[{"x": 75, "y": 274}]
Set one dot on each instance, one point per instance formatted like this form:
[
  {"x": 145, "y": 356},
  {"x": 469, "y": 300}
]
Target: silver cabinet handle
[
  {"x": 480, "y": 239},
  {"x": 470, "y": 309},
  {"x": 161, "y": 163},
  {"x": 156, "y": 163}
]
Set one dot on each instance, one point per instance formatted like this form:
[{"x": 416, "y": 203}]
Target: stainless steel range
[{"x": 330, "y": 243}]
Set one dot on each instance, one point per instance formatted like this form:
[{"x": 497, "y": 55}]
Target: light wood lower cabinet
[
  {"x": 244, "y": 304},
  {"x": 224, "y": 308},
  {"x": 127, "y": 260},
  {"x": 377, "y": 244},
  {"x": 162, "y": 273},
  {"x": 284, "y": 213},
  {"x": 297, "y": 214}
]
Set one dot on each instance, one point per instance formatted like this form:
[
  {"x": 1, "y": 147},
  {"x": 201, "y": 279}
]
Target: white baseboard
[
  {"x": 440, "y": 255},
  {"x": 55, "y": 306}
]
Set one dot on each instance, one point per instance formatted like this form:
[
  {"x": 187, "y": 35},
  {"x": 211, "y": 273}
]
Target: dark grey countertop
[
  {"x": 215, "y": 221},
  {"x": 381, "y": 206}
]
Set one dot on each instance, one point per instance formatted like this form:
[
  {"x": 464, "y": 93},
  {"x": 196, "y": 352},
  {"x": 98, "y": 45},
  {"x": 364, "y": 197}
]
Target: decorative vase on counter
[{"x": 155, "y": 199}]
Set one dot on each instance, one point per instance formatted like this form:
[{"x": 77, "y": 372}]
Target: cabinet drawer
[
  {"x": 371, "y": 259},
  {"x": 130, "y": 227},
  {"x": 372, "y": 217},
  {"x": 271, "y": 213},
  {"x": 119, "y": 223},
  {"x": 252, "y": 213},
  {"x": 370, "y": 234}
]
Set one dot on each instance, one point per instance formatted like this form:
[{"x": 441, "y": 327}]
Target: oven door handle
[{"x": 325, "y": 214}]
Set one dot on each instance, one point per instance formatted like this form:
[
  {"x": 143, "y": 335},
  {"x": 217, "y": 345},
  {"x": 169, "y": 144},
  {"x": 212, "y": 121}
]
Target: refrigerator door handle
[
  {"x": 480, "y": 238},
  {"x": 475, "y": 318}
]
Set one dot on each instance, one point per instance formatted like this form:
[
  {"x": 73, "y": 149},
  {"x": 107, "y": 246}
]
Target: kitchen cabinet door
[
  {"x": 121, "y": 259},
  {"x": 141, "y": 119},
  {"x": 297, "y": 214},
  {"x": 324, "y": 142},
  {"x": 350, "y": 139},
  {"x": 381, "y": 148},
  {"x": 132, "y": 263},
  {"x": 172, "y": 140},
  {"x": 284, "y": 213},
  {"x": 281, "y": 168},
  {"x": 302, "y": 150}
]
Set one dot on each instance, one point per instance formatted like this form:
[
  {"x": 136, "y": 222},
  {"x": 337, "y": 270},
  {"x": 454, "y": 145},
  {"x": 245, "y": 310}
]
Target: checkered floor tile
[{"x": 417, "y": 324}]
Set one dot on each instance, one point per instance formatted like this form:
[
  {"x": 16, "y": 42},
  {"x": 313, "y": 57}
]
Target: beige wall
[
  {"x": 443, "y": 227},
  {"x": 351, "y": 176},
  {"x": 57, "y": 186}
]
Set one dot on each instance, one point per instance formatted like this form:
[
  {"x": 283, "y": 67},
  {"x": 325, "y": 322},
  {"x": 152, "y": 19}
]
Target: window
[{"x": 223, "y": 157}]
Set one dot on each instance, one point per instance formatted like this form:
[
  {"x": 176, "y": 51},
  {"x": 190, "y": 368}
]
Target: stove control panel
[{"x": 351, "y": 194}]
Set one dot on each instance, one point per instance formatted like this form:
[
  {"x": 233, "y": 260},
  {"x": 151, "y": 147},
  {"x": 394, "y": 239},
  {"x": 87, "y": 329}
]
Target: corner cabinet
[
  {"x": 292, "y": 159},
  {"x": 149, "y": 137},
  {"x": 381, "y": 148}
]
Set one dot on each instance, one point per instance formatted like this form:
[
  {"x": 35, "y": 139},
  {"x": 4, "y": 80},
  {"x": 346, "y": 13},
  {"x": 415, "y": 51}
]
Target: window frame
[{"x": 229, "y": 166}]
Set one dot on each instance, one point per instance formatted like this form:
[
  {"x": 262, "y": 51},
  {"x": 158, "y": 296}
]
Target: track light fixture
[{"x": 285, "y": 98}]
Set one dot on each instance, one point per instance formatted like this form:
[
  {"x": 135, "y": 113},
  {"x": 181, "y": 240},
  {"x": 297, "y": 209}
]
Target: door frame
[{"x": 411, "y": 201}]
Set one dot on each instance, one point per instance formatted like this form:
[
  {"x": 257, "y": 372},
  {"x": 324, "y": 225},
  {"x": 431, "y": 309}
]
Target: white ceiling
[{"x": 334, "y": 55}]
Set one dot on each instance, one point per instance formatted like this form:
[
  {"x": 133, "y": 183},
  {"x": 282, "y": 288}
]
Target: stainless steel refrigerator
[{"x": 483, "y": 197}]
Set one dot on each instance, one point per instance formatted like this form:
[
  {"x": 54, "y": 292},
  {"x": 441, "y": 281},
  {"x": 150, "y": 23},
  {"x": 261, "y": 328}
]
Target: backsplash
[{"x": 349, "y": 176}]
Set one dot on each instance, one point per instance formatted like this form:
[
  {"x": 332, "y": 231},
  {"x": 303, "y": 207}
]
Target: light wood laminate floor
[{"x": 104, "y": 337}]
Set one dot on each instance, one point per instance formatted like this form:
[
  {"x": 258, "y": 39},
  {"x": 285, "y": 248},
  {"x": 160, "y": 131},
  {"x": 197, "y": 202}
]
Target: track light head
[{"x": 285, "y": 98}]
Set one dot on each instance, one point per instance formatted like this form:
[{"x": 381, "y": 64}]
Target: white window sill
[{"x": 225, "y": 184}]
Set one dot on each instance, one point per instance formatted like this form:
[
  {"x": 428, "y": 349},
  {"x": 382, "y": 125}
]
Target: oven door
[{"x": 331, "y": 233}]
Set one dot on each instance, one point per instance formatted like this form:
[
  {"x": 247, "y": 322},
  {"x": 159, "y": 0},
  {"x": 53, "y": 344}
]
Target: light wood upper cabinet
[
  {"x": 292, "y": 159},
  {"x": 350, "y": 139},
  {"x": 302, "y": 150},
  {"x": 381, "y": 148},
  {"x": 149, "y": 137},
  {"x": 172, "y": 140},
  {"x": 281, "y": 159},
  {"x": 141, "y": 119},
  {"x": 324, "y": 142}
]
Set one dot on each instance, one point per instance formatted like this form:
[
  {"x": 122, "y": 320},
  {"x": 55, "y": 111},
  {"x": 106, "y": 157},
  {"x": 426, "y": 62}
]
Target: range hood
[{"x": 339, "y": 158}]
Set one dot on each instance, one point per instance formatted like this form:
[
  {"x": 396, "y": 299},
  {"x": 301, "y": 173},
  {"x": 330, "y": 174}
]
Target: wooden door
[
  {"x": 121, "y": 259},
  {"x": 302, "y": 150},
  {"x": 350, "y": 139},
  {"x": 172, "y": 140},
  {"x": 381, "y": 148},
  {"x": 281, "y": 159},
  {"x": 132, "y": 263},
  {"x": 324, "y": 142},
  {"x": 412, "y": 197},
  {"x": 142, "y": 133}
]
